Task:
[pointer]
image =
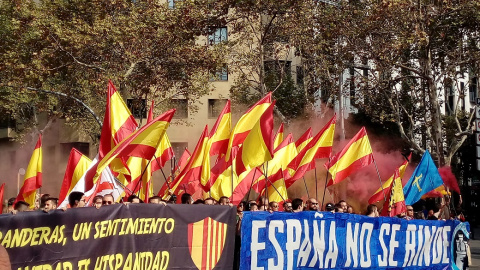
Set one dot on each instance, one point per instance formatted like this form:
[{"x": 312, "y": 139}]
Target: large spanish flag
[
  {"x": 354, "y": 156},
  {"x": 220, "y": 133},
  {"x": 247, "y": 122},
  {"x": 33, "y": 176},
  {"x": 378, "y": 195},
  {"x": 319, "y": 147},
  {"x": 395, "y": 204},
  {"x": 77, "y": 165},
  {"x": 142, "y": 143}
]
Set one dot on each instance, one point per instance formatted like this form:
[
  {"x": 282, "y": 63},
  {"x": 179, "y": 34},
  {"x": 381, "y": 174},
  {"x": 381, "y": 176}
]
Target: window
[
  {"x": 138, "y": 107},
  {"x": 219, "y": 35},
  {"x": 220, "y": 75},
  {"x": 472, "y": 90},
  {"x": 215, "y": 107},
  {"x": 178, "y": 149},
  {"x": 182, "y": 108}
]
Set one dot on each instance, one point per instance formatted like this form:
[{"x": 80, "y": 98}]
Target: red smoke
[{"x": 449, "y": 178}]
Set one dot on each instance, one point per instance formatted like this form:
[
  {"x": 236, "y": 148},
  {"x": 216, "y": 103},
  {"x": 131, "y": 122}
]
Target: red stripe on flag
[
  {"x": 204, "y": 248},
  {"x": 357, "y": 164}
]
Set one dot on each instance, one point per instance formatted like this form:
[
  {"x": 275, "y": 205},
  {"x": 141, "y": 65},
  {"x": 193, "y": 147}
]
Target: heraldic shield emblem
[{"x": 206, "y": 239}]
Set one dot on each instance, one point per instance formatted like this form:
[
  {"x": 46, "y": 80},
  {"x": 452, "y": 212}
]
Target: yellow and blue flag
[{"x": 424, "y": 179}]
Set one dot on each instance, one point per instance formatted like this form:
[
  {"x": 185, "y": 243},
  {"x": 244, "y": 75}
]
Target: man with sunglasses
[
  {"x": 409, "y": 215},
  {"x": 312, "y": 205},
  {"x": 108, "y": 199}
]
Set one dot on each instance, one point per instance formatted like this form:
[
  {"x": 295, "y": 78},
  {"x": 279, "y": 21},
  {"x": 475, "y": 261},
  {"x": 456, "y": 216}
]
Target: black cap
[{"x": 329, "y": 207}]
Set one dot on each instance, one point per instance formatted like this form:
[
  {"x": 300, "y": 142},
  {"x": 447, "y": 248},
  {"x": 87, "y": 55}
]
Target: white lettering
[
  {"x": 273, "y": 227},
  {"x": 351, "y": 240},
  {"x": 256, "y": 246},
  {"x": 393, "y": 245},
  {"x": 384, "y": 230},
  {"x": 365, "y": 258},
  {"x": 294, "y": 230}
]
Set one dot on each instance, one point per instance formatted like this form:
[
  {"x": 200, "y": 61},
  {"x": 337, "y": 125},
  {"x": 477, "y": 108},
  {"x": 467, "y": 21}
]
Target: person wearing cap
[{"x": 329, "y": 207}]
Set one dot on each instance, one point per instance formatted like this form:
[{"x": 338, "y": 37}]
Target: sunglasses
[{"x": 107, "y": 202}]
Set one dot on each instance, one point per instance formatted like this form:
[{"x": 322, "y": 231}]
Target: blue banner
[{"x": 323, "y": 240}]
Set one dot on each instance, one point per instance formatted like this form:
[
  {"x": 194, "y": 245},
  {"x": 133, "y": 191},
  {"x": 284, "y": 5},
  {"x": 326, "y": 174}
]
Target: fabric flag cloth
[
  {"x": 182, "y": 163},
  {"x": 395, "y": 204},
  {"x": 33, "y": 176},
  {"x": 246, "y": 123},
  {"x": 278, "y": 137},
  {"x": 424, "y": 179},
  {"x": 163, "y": 154},
  {"x": 354, "y": 156},
  {"x": 319, "y": 147},
  {"x": 304, "y": 140},
  {"x": 220, "y": 133},
  {"x": 107, "y": 184},
  {"x": 378, "y": 195},
  {"x": 2, "y": 190},
  {"x": 77, "y": 165},
  {"x": 142, "y": 143}
]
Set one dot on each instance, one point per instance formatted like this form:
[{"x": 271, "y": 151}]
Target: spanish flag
[
  {"x": 319, "y": 147},
  {"x": 246, "y": 123},
  {"x": 118, "y": 122},
  {"x": 182, "y": 163},
  {"x": 354, "y": 156},
  {"x": 2, "y": 189},
  {"x": 378, "y": 196},
  {"x": 143, "y": 143},
  {"x": 164, "y": 150},
  {"x": 77, "y": 165},
  {"x": 278, "y": 137},
  {"x": 395, "y": 205},
  {"x": 33, "y": 176},
  {"x": 304, "y": 140},
  {"x": 220, "y": 133}
]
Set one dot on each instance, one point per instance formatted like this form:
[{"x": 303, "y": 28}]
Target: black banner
[{"x": 135, "y": 236}]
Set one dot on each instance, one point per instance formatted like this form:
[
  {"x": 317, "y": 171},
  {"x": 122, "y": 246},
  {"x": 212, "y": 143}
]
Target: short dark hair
[
  {"x": 74, "y": 197},
  {"x": 199, "y": 201},
  {"x": 11, "y": 201},
  {"x": 371, "y": 208},
  {"x": 186, "y": 198},
  {"x": 211, "y": 199},
  {"x": 19, "y": 204},
  {"x": 44, "y": 199},
  {"x": 132, "y": 197},
  {"x": 154, "y": 198},
  {"x": 97, "y": 197},
  {"x": 53, "y": 200},
  {"x": 296, "y": 203},
  {"x": 223, "y": 198}
]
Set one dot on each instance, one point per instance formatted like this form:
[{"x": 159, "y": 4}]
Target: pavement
[{"x": 475, "y": 250}]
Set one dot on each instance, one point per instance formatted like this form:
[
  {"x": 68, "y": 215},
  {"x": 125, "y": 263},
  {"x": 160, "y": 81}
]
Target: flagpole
[
  {"x": 231, "y": 158},
  {"x": 305, "y": 182},
  {"x": 380, "y": 179},
  {"x": 266, "y": 182},
  {"x": 325, "y": 187},
  {"x": 251, "y": 185},
  {"x": 141, "y": 177},
  {"x": 161, "y": 169},
  {"x": 266, "y": 190},
  {"x": 316, "y": 184}
]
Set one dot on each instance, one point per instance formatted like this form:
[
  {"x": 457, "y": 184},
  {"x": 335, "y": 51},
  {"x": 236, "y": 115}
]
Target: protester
[
  {"x": 312, "y": 205},
  {"x": 76, "y": 199},
  {"x": 329, "y": 207},
  {"x": 133, "y": 199},
  {"x": 287, "y": 206},
  {"x": 409, "y": 215},
  {"x": 252, "y": 206},
  {"x": 350, "y": 209},
  {"x": 273, "y": 206},
  {"x": 50, "y": 204},
  {"x": 431, "y": 215},
  {"x": 262, "y": 203},
  {"x": 108, "y": 199},
  {"x": 186, "y": 198},
  {"x": 98, "y": 201},
  {"x": 10, "y": 208},
  {"x": 339, "y": 208},
  {"x": 210, "y": 201},
  {"x": 372, "y": 210},
  {"x": 199, "y": 201},
  {"x": 297, "y": 205},
  {"x": 20, "y": 206},
  {"x": 343, "y": 204},
  {"x": 154, "y": 200},
  {"x": 43, "y": 200},
  {"x": 224, "y": 200}
]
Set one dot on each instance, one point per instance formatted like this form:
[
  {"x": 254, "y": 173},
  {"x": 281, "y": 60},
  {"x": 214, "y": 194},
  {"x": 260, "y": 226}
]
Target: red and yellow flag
[
  {"x": 2, "y": 190},
  {"x": 143, "y": 143},
  {"x": 246, "y": 123},
  {"x": 378, "y": 195},
  {"x": 304, "y": 140},
  {"x": 319, "y": 147},
  {"x": 33, "y": 176},
  {"x": 206, "y": 240},
  {"x": 77, "y": 165},
  {"x": 220, "y": 133},
  {"x": 278, "y": 137},
  {"x": 182, "y": 163},
  {"x": 395, "y": 205},
  {"x": 354, "y": 156},
  {"x": 118, "y": 122}
]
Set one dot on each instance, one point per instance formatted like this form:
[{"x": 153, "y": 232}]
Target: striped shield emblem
[{"x": 206, "y": 239}]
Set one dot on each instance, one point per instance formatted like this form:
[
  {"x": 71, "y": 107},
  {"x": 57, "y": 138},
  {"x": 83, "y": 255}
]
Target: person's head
[
  {"x": 338, "y": 208},
  {"x": 251, "y": 205},
  {"x": 50, "y": 204},
  {"x": 273, "y": 206},
  {"x": 108, "y": 199},
  {"x": 155, "y": 200},
  {"x": 372, "y": 210},
  {"x": 186, "y": 198},
  {"x": 344, "y": 205},
  {"x": 210, "y": 201},
  {"x": 409, "y": 211},
  {"x": 43, "y": 200},
  {"x": 241, "y": 206},
  {"x": 329, "y": 207},
  {"x": 133, "y": 199},
  {"x": 97, "y": 201},
  {"x": 287, "y": 207},
  {"x": 419, "y": 215},
  {"x": 350, "y": 210},
  {"x": 431, "y": 213},
  {"x": 21, "y": 206},
  {"x": 199, "y": 201},
  {"x": 10, "y": 204},
  {"x": 224, "y": 200},
  {"x": 76, "y": 199},
  {"x": 262, "y": 203},
  {"x": 297, "y": 205},
  {"x": 312, "y": 204}
]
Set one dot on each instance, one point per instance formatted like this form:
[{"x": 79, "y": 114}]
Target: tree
[
  {"x": 74, "y": 47},
  {"x": 416, "y": 52}
]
